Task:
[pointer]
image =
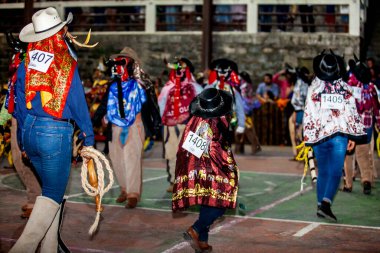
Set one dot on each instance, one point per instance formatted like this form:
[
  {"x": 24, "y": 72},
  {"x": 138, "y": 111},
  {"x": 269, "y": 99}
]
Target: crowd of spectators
[{"x": 290, "y": 18}]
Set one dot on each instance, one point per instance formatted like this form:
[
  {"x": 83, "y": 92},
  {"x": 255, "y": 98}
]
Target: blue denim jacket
[{"x": 75, "y": 107}]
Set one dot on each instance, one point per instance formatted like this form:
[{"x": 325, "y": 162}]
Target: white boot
[
  {"x": 52, "y": 238},
  {"x": 44, "y": 212}
]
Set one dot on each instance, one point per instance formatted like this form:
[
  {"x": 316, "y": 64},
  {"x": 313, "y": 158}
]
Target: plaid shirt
[{"x": 367, "y": 101}]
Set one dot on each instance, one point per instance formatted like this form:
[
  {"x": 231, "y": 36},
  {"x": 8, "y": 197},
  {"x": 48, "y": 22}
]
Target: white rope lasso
[{"x": 99, "y": 159}]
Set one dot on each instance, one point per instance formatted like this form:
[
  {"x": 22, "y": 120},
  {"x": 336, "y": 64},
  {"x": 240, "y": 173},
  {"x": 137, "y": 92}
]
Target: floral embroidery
[{"x": 321, "y": 123}]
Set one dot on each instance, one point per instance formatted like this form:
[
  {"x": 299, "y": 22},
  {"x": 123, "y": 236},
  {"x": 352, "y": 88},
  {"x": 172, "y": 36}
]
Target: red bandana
[{"x": 54, "y": 85}]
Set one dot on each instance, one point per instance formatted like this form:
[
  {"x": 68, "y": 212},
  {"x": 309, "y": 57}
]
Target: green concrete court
[{"x": 266, "y": 195}]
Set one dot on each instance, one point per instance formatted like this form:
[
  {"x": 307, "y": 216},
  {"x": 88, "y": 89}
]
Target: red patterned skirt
[{"x": 212, "y": 179}]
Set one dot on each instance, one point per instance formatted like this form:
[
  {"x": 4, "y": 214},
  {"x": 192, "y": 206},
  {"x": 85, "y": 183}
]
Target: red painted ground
[{"x": 139, "y": 230}]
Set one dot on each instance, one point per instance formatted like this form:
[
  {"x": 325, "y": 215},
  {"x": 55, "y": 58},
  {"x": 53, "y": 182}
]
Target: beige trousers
[
  {"x": 250, "y": 134},
  {"x": 127, "y": 160},
  {"x": 371, "y": 150},
  {"x": 292, "y": 133},
  {"x": 171, "y": 147},
  {"x": 26, "y": 174},
  {"x": 364, "y": 157}
]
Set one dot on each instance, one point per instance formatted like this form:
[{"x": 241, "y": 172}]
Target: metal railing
[{"x": 169, "y": 15}]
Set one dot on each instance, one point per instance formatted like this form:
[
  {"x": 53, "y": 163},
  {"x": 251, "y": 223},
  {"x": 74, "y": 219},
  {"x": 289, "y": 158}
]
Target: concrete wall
[{"x": 255, "y": 53}]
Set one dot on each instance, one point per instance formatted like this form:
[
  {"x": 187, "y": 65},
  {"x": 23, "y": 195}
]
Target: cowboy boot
[
  {"x": 192, "y": 237},
  {"x": 43, "y": 214},
  {"x": 205, "y": 247},
  {"x": 52, "y": 241}
]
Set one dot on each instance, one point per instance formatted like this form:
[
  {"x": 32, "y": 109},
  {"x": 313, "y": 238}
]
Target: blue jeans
[
  {"x": 330, "y": 159},
  {"x": 299, "y": 117},
  {"x": 48, "y": 144},
  {"x": 369, "y": 132},
  {"x": 207, "y": 216}
]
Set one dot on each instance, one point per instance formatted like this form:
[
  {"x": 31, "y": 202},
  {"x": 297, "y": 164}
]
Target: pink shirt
[{"x": 283, "y": 84}]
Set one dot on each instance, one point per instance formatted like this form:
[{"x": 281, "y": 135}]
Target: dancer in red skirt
[{"x": 206, "y": 172}]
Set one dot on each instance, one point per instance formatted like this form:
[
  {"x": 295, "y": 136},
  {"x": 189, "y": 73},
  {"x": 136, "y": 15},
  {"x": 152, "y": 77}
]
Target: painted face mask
[{"x": 122, "y": 67}]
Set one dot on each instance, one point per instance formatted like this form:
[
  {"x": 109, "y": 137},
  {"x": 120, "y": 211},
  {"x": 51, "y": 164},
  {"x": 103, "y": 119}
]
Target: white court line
[
  {"x": 259, "y": 210},
  {"x": 306, "y": 229},
  {"x": 231, "y": 223},
  {"x": 76, "y": 249},
  {"x": 115, "y": 186},
  {"x": 7, "y": 186},
  {"x": 163, "y": 199},
  {"x": 248, "y": 172},
  {"x": 241, "y": 217},
  {"x": 268, "y": 189},
  {"x": 154, "y": 178},
  {"x": 119, "y": 206}
]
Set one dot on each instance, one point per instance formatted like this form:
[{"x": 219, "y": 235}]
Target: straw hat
[
  {"x": 127, "y": 52},
  {"x": 45, "y": 23}
]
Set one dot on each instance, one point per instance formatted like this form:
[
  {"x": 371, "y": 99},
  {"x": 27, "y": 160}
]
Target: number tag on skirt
[
  {"x": 195, "y": 144},
  {"x": 40, "y": 60},
  {"x": 332, "y": 101}
]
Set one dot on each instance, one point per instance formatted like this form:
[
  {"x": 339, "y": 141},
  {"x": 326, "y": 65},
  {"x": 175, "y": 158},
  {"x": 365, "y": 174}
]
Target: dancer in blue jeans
[
  {"x": 331, "y": 124},
  {"x": 49, "y": 101}
]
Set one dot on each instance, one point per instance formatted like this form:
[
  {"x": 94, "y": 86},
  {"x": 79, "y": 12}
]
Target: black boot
[
  {"x": 62, "y": 248},
  {"x": 325, "y": 211},
  {"x": 367, "y": 188}
]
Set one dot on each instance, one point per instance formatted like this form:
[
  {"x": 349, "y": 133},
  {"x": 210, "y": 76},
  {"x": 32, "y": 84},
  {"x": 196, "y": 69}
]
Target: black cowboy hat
[
  {"x": 224, "y": 63},
  {"x": 211, "y": 103},
  {"x": 16, "y": 44},
  {"x": 328, "y": 66},
  {"x": 303, "y": 73},
  {"x": 246, "y": 77},
  {"x": 188, "y": 63},
  {"x": 362, "y": 72}
]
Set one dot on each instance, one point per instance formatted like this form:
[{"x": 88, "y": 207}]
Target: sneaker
[
  {"x": 367, "y": 188},
  {"x": 320, "y": 215},
  {"x": 325, "y": 210}
]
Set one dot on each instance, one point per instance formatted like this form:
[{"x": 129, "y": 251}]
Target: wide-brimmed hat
[
  {"x": 362, "y": 72},
  {"x": 328, "y": 67},
  {"x": 224, "y": 63},
  {"x": 188, "y": 63},
  {"x": 211, "y": 103},
  {"x": 15, "y": 43},
  {"x": 45, "y": 23},
  {"x": 127, "y": 52},
  {"x": 303, "y": 73}
]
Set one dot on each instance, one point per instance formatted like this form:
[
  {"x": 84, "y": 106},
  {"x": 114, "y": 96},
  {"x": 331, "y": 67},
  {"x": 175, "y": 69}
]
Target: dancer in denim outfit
[
  {"x": 331, "y": 122},
  {"x": 49, "y": 101}
]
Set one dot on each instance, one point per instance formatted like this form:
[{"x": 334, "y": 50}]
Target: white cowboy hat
[{"x": 45, "y": 23}]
